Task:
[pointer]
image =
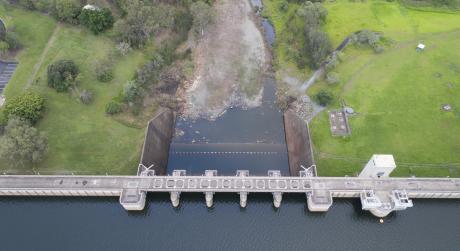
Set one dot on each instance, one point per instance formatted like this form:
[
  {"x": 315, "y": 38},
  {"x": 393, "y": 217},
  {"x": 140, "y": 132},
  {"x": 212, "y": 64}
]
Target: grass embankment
[
  {"x": 82, "y": 139},
  {"x": 398, "y": 94}
]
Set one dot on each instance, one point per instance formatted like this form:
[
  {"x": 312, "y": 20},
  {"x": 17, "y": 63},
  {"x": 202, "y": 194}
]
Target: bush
[
  {"x": 324, "y": 97},
  {"x": 104, "y": 71},
  {"x": 369, "y": 38},
  {"x": 67, "y": 10},
  {"x": 149, "y": 73},
  {"x": 28, "y": 106},
  {"x": 62, "y": 74},
  {"x": 96, "y": 20},
  {"x": 284, "y": 6},
  {"x": 3, "y": 48},
  {"x": 332, "y": 78},
  {"x": 22, "y": 144},
  {"x": 12, "y": 40},
  {"x": 123, "y": 48},
  {"x": 113, "y": 107},
  {"x": 86, "y": 97},
  {"x": 132, "y": 91}
]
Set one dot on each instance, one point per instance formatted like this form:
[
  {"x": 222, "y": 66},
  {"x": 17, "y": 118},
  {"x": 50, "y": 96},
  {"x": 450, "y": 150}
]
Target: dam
[{"x": 380, "y": 196}]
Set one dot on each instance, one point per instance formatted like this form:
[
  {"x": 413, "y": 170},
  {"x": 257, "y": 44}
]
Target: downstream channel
[{"x": 240, "y": 139}]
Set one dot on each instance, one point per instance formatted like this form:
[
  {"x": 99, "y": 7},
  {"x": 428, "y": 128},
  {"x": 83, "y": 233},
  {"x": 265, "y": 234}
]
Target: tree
[
  {"x": 313, "y": 14},
  {"x": 317, "y": 45},
  {"x": 324, "y": 97},
  {"x": 67, "y": 10},
  {"x": 28, "y": 106},
  {"x": 138, "y": 26},
  {"x": 22, "y": 144},
  {"x": 202, "y": 16},
  {"x": 62, "y": 74},
  {"x": 97, "y": 20}
]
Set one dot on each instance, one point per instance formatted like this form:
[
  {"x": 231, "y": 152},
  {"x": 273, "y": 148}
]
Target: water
[
  {"x": 102, "y": 224},
  {"x": 251, "y": 140}
]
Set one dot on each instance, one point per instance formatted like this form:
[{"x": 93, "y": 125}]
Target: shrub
[
  {"x": 123, "y": 48},
  {"x": 96, "y": 20},
  {"x": 113, "y": 107},
  {"x": 62, "y": 74},
  {"x": 324, "y": 97},
  {"x": 28, "y": 106},
  {"x": 12, "y": 40},
  {"x": 332, "y": 78},
  {"x": 104, "y": 71},
  {"x": 86, "y": 97},
  {"x": 132, "y": 91},
  {"x": 22, "y": 144},
  {"x": 284, "y": 6},
  {"x": 149, "y": 73},
  {"x": 3, "y": 48}
]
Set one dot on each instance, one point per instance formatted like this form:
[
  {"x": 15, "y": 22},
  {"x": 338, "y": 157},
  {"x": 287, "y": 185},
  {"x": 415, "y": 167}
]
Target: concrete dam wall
[
  {"x": 157, "y": 140},
  {"x": 298, "y": 143}
]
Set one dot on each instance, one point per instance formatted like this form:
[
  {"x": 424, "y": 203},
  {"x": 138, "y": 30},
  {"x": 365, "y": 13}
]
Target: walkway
[
  {"x": 39, "y": 64},
  {"x": 375, "y": 194}
]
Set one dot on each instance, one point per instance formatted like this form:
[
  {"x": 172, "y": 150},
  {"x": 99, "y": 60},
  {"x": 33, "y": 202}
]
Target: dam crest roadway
[{"x": 380, "y": 196}]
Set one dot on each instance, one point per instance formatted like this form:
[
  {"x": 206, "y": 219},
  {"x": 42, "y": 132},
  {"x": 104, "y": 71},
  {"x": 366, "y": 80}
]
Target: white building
[{"x": 380, "y": 165}]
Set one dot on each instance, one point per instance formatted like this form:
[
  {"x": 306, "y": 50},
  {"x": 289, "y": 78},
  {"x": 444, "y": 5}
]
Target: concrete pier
[{"x": 378, "y": 195}]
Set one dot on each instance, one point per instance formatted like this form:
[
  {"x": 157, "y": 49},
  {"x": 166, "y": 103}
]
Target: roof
[
  {"x": 421, "y": 46},
  {"x": 384, "y": 160}
]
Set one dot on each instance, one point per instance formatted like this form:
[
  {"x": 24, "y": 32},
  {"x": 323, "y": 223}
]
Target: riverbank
[{"x": 229, "y": 61}]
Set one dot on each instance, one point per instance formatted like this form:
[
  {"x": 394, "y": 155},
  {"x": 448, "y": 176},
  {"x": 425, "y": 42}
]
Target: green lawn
[
  {"x": 82, "y": 139},
  {"x": 398, "y": 94},
  {"x": 34, "y": 31}
]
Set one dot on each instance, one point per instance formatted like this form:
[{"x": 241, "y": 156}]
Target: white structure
[
  {"x": 420, "y": 47},
  {"x": 91, "y": 7},
  {"x": 380, "y": 165},
  {"x": 2, "y": 100}
]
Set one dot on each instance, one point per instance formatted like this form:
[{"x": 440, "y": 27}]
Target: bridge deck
[{"x": 227, "y": 183}]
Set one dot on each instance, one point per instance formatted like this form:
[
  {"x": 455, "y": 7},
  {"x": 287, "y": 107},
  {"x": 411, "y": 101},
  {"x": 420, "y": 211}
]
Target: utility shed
[
  {"x": 380, "y": 165},
  {"x": 420, "y": 47}
]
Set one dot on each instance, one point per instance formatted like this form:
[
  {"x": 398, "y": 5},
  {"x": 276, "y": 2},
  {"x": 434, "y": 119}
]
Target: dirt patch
[{"x": 229, "y": 61}]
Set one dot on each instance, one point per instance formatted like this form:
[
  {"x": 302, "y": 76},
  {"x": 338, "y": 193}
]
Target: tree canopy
[{"x": 22, "y": 144}]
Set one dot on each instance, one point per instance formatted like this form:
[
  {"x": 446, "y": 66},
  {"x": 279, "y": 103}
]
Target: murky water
[{"x": 102, "y": 224}]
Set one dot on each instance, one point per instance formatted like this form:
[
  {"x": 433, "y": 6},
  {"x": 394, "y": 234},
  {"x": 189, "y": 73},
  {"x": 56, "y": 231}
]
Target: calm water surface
[{"x": 102, "y": 224}]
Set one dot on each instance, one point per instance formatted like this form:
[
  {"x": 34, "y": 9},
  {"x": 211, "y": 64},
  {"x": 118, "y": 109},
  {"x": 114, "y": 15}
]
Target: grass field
[
  {"x": 397, "y": 94},
  {"x": 82, "y": 139}
]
